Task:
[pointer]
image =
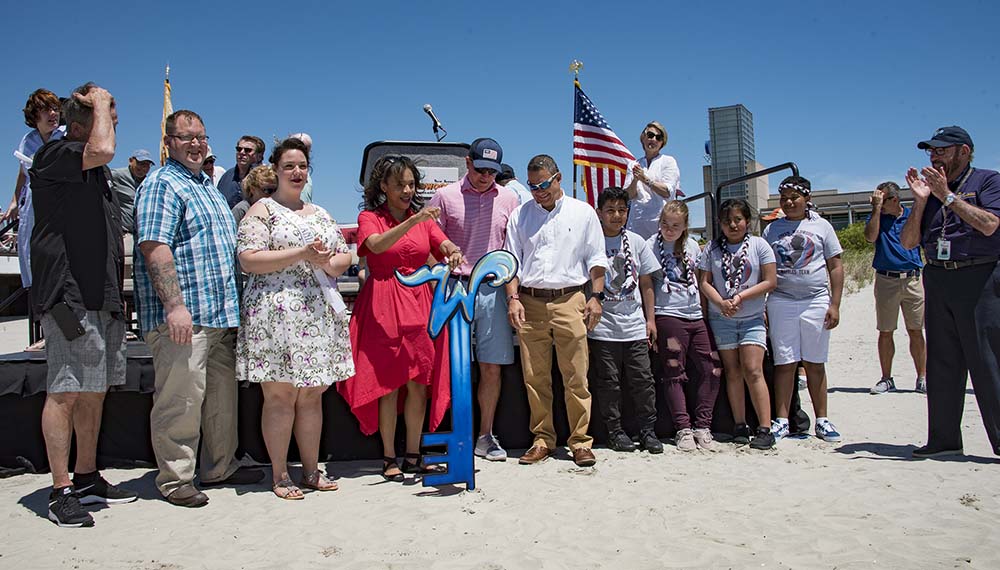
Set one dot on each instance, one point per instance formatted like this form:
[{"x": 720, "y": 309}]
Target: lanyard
[{"x": 945, "y": 210}]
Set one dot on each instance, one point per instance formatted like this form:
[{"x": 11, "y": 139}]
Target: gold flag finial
[{"x": 575, "y": 67}]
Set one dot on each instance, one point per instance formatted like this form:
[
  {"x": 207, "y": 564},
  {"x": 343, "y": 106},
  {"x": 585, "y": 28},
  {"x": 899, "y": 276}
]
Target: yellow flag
[{"x": 168, "y": 109}]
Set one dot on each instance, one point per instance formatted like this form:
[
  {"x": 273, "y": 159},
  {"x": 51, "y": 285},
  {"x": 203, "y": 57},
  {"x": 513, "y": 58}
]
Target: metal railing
[{"x": 711, "y": 219}]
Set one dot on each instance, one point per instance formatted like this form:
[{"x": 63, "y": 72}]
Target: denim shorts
[
  {"x": 731, "y": 334},
  {"x": 492, "y": 334}
]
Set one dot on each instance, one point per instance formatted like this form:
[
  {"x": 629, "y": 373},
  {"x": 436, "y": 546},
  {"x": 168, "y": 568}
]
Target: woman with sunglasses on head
[
  {"x": 293, "y": 337},
  {"x": 651, "y": 182},
  {"x": 41, "y": 114},
  {"x": 806, "y": 304},
  {"x": 393, "y": 351}
]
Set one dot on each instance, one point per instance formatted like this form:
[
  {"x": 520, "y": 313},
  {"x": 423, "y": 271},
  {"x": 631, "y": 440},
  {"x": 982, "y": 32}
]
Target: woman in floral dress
[{"x": 293, "y": 338}]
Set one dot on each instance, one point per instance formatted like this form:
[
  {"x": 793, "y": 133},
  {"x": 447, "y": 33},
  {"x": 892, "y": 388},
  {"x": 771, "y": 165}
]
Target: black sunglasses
[
  {"x": 240, "y": 149},
  {"x": 486, "y": 171},
  {"x": 652, "y": 135}
]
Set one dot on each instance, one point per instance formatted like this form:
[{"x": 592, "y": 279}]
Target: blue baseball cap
[
  {"x": 142, "y": 155},
  {"x": 486, "y": 153},
  {"x": 947, "y": 136}
]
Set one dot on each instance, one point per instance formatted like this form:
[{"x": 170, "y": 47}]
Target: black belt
[
  {"x": 959, "y": 263},
  {"x": 550, "y": 293},
  {"x": 899, "y": 274}
]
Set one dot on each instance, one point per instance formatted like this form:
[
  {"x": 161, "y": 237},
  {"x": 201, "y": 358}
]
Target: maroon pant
[{"x": 680, "y": 342}]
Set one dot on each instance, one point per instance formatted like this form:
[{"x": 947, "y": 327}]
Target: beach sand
[{"x": 808, "y": 504}]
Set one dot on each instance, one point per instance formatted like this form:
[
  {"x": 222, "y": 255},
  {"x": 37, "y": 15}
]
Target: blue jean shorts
[
  {"x": 731, "y": 334},
  {"x": 491, "y": 331}
]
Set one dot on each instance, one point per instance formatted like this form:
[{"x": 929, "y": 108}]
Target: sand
[{"x": 862, "y": 503}]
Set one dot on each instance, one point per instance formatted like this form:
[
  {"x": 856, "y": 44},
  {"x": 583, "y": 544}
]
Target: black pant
[
  {"x": 612, "y": 362},
  {"x": 962, "y": 318}
]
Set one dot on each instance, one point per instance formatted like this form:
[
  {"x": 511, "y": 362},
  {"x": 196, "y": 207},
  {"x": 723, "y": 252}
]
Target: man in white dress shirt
[{"x": 559, "y": 246}]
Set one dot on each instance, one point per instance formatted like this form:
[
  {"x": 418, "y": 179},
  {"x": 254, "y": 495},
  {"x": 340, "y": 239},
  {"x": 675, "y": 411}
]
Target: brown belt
[{"x": 550, "y": 293}]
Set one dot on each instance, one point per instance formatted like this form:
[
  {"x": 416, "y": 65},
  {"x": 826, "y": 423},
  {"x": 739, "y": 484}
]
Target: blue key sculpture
[{"x": 499, "y": 267}]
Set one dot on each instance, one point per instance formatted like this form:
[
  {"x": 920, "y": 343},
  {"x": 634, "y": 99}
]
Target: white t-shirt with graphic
[
  {"x": 758, "y": 254},
  {"x": 622, "y": 318},
  {"x": 801, "y": 249},
  {"x": 676, "y": 288}
]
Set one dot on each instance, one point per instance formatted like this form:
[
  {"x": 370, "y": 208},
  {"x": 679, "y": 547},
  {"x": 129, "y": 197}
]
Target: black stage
[{"x": 125, "y": 437}]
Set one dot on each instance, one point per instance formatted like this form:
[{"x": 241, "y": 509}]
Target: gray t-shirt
[
  {"x": 622, "y": 318},
  {"x": 676, "y": 289},
  {"x": 801, "y": 249},
  {"x": 758, "y": 254}
]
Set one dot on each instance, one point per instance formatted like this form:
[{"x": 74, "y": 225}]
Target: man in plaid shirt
[{"x": 185, "y": 280}]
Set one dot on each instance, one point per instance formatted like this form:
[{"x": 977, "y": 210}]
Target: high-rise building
[{"x": 731, "y": 146}]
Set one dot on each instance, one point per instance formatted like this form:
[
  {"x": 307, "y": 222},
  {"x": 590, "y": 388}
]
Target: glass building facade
[{"x": 731, "y": 145}]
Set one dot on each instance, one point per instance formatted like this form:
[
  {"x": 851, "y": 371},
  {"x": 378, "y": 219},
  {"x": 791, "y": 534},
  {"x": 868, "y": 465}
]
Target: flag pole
[
  {"x": 167, "y": 111},
  {"x": 575, "y": 66}
]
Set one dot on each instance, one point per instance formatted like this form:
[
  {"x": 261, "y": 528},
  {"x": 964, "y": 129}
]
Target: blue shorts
[
  {"x": 492, "y": 335},
  {"x": 731, "y": 334}
]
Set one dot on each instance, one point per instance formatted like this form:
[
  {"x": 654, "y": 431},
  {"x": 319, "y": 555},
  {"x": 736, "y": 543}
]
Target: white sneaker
[
  {"x": 685, "y": 440},
  {"x": 826, "y": 431},
  {"x": 779, "y": 430},
  {"x": 488, "y": 446}
]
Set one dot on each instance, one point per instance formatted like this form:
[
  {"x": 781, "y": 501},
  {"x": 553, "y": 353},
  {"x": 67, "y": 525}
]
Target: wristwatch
[
  {"x": 599, "y": 295},
  {"x": 514, "y": 297},
  {"x": 949, "y": 199}
]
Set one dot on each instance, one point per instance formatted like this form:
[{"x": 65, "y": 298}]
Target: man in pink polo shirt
[{"x": 474, "y": 214}]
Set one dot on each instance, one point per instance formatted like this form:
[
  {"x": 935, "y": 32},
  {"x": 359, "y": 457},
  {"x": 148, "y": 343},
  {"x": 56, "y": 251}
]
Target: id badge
[{"x": 943, "y": 249}]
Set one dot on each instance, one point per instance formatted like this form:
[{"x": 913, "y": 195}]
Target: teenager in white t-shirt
[
  {"x": 737, "y": 274},
  {"x": 802, "y": 310},
  {"x": 682, "y": 335}
]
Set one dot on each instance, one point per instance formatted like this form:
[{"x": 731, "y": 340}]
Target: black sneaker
[
  {"x": 763, "y": 440},
  {"x": 618, "y": 441},
  {"x": 929, "y": 451},
  {"x": 741, "y": 435},
  {"x": 65, "y": 509},
  {"x": 242, "y": 476},
  {"x": 96, "y": 490},
  {"x": 649, "y": 442}
]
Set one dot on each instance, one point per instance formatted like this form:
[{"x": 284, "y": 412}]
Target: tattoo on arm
[{"x": 164, "y": 278}]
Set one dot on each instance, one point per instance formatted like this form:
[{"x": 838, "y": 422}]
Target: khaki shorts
[{"x": 893, "y": 293}]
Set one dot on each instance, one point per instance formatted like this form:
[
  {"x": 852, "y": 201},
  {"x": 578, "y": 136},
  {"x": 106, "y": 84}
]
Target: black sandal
[
  {"x": 417, "y": 465},
  {"x": 387, "y": 464}
]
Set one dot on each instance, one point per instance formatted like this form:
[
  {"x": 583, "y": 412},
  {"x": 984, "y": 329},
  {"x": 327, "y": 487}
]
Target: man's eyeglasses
[
  {"x": 938, "y": 151},
  {"x": 653, "y": 135},
  {"x": 189, "y": 138},
  {"x": 544, "y": 185},
  {"x": 486, "y": 171},
  {"x": 247, "y": 150}
]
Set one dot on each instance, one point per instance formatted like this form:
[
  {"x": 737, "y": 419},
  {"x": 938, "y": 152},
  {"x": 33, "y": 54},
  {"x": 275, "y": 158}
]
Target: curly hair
[
  {"x": 390, "y": 166},
  {"x": 39, "y": 100},
  {"x": 259, "y": 178}
]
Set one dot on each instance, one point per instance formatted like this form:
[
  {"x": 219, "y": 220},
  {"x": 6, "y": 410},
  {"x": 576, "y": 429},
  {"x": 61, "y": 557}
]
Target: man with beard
[{"x": 954, "y": 218}]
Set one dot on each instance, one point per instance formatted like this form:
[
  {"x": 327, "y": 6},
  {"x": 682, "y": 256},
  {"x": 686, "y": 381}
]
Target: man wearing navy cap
[
  {"x": 474, "y": 214},
  {"x": 125, "y": 180},
  {"x": 955, "y": 219}
]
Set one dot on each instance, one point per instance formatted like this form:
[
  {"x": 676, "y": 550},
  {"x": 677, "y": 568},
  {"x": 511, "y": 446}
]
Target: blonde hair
[
  {"x": 258, "y": 178},
  {"x": 678, "y": 207},
  {"x": 656, "y": 125}
]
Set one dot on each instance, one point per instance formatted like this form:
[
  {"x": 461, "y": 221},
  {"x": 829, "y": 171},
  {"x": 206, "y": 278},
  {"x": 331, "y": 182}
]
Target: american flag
[{"x": 603, "y": 156}]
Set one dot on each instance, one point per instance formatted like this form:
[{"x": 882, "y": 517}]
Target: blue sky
[{"x": 843, "y": 89}]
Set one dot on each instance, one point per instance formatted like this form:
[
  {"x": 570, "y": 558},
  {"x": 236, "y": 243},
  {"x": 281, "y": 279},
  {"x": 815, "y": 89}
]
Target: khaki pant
[
  {"x": 893, "y": 294},
  {"x": 559, "y": 320},
  {"x": 195, "y": 399}
]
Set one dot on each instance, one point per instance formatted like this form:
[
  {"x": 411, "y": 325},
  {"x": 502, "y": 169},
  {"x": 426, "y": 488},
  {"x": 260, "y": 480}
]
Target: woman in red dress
[{"x": 391, "y": 346}]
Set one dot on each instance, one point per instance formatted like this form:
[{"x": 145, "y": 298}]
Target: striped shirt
[
  {"x": 474, "y": 221},
  {"x": 187, "y": 213}
]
